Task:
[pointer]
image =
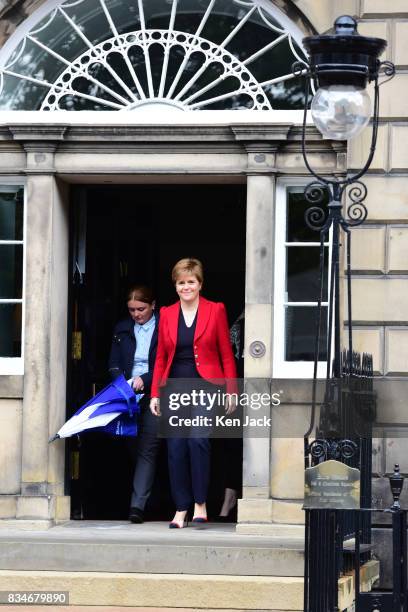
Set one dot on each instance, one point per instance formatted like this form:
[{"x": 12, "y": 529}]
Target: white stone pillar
[
  {"x": 45, "y": 346},
  {"x": 256, "y": 504}
]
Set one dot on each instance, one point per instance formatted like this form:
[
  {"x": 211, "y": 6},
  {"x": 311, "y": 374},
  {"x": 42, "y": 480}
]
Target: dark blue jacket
[{"x": 123, "y": 351}]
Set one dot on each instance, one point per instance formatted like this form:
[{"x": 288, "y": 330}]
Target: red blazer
[{"x": 212, "y": 345}]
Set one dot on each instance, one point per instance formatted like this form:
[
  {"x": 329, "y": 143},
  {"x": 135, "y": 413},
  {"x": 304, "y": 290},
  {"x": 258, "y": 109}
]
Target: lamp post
[{"x": 340, "y": 66}]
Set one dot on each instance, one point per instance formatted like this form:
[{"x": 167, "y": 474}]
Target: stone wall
[
  {"x": 380, "y": 259},
  {"x": 380, "y": 252},
  {"x": 11, "y": 426},
  {"x": 12, "y": 13}
]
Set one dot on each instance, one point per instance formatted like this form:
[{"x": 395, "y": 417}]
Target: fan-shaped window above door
[{"x": 164, "y": 54}]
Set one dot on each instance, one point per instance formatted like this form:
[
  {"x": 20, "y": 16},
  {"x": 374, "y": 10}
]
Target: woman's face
[
  {"x": 188, "y": 287},
  {"x": 140, "y": 311}
]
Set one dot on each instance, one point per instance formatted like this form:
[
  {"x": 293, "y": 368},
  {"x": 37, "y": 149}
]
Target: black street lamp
[{"x": 341, "y": 65}]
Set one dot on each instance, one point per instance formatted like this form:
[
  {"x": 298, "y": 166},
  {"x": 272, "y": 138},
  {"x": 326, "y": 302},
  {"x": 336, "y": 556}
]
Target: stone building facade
[{"x": 50, "y": 154}]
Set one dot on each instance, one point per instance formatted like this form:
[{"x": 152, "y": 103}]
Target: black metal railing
[
  {"x": 395, "y": 600},
  {"x": 344, "y": 433},
  {"x": 324, "y": 523}
]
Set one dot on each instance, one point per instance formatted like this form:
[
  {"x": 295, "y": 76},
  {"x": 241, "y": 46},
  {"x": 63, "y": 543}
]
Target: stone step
[
  {"x": 113, "y": 546},
  {"x": 273, "y": 594}
]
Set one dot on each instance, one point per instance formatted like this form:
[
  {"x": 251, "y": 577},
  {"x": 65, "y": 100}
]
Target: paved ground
[{"x": 147, "y": 533}]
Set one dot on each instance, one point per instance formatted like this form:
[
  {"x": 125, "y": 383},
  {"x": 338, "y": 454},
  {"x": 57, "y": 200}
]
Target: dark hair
[{"x": 140, "y": 293}]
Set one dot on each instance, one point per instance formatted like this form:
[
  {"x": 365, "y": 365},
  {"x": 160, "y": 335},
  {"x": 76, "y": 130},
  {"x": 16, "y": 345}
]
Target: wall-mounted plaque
[{"x": 332, "y": 485}]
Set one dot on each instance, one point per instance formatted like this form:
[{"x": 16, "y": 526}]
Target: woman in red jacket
[{"x": 193, "y": 344}]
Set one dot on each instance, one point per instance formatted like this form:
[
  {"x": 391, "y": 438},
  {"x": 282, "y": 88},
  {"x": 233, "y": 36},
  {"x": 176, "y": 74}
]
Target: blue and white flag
[{"x": 113, "y": 410}]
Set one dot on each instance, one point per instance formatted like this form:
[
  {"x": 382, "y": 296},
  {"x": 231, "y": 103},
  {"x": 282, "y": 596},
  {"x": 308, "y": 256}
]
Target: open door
[{"x": 122, "y": 235}]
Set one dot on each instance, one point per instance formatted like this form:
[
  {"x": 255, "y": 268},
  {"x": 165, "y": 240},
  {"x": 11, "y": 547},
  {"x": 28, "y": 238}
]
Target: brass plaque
[
  {"x": 332, "y": 485},
  {"x": 76, "y": 345}
]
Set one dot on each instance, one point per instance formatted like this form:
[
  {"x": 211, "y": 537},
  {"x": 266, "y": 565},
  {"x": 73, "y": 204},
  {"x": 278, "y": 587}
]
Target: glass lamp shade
[{"x": 341, "y": 112}]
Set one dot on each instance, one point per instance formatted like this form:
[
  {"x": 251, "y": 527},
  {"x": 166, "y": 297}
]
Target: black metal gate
[
  {"x": 344, "y": 434},
  {"x": 339, "y": 541},
  {"x": 325, "y": 553}
]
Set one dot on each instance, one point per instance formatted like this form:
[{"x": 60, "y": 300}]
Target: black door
[{"x": 123, "y": 235}]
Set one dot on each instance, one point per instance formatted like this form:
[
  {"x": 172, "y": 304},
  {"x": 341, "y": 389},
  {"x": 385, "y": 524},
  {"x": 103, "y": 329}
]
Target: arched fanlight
[{"x": 153, "y": 54}]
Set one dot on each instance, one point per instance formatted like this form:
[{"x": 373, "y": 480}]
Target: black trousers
[
  {"x": 188, "y": 448},
  {"x": 189, "y": 470},
  {"x": 144, "y": 450}
]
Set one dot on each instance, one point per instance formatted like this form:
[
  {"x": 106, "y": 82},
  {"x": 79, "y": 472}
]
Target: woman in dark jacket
[{"x": 133, "y": 354}]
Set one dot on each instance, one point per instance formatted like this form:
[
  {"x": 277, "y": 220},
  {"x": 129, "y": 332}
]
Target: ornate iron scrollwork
[
  {"x": 357, "y": 211},
  {"x": 323, "y": 449},
  {"x": 319, "y": 449},
  {"x": 347, "y": 449},
  {"x": 315, "y": 217},
  {"x": 387, "y": 69},
  {"x": 316, "y": 193}
]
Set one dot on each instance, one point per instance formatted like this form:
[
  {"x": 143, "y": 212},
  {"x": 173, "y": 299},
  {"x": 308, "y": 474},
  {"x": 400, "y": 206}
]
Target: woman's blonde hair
[{"x": 188, "y": 265}]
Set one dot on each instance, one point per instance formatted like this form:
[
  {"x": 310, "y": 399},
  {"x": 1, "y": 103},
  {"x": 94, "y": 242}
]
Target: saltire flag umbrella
[{"x": 113, "y": 410}]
